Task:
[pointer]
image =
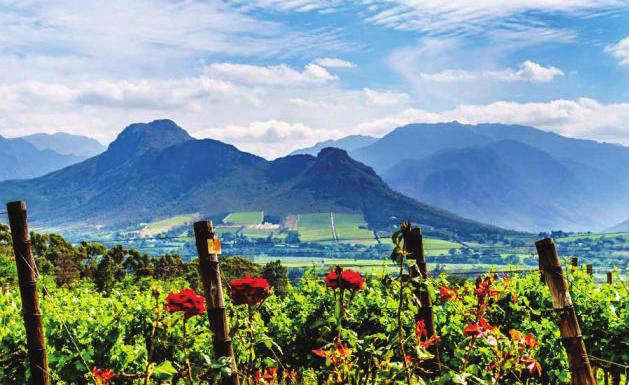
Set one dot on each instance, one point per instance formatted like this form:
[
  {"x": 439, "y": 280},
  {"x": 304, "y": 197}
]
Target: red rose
[
  {"x": 102, "y": 376},
  {"x": 269, "y": 375},
  {"x": 352, "y": 280},
  {"x": 249, "y": 290},
  {"x": 447, "y": 294},
  {"x": 186, "y": 301},
  {"x": 530, "y": 341},
  {"x": 331, "y": 280},
  {"x": 349, "y": 279}
]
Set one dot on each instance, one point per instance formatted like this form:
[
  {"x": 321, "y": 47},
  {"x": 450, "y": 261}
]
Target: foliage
[
  {"x": 277, "y": 275},
  {"x": 110, "y": 314},
  {"x": 237, "y": 267}
]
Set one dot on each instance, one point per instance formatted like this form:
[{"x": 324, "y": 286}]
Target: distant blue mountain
[
  {"x": 66, "y": 144},
  {"x": 348, "y": 143},
  {"x": 155, "y": 170},
  {"x": 509, "y": 175},
  {"x": 19, "y": 159},
  {"x": 621, "y": 227}
]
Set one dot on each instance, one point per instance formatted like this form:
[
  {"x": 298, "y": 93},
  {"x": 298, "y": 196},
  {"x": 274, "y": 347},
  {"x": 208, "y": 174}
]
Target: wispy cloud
[
  {"x": 385, "y": 98},
  {"x": 506, "y": 19},
  {"x": 278, "y": 75},
  {"x": 330, "y": 62},
  {"x": 620, "y": 51}
]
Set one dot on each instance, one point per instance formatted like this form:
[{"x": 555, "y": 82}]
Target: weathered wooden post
[
  {"x": 215, "y": 303},
  {"x": 574, "y": 261},
  {"x": 27, "y": 278},
  {"x": 610, "y": 278},
  {"x": 590, "y": 269},
  {"x": 571, "y": 338},
  {"x": 414, "y": 246}
]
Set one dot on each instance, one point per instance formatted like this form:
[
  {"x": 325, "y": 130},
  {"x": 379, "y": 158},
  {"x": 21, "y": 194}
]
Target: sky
[{"x": 270, "y": 76}]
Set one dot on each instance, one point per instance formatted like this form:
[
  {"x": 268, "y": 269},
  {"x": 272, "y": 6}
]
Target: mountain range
[
  {"x": 621, "y": 227},
  {"x": 348, "y": 143},
  {"x": 35, "y": 155},
  {"x": 66, "y": 144},
  {"x": 19, "y": 159},
  {"x": 156, "y": 170},
  {"x": 512, "y": 176}
]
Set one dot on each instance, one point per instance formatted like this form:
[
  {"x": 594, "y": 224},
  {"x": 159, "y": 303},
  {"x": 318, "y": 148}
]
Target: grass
[
  {"x": 227, "y": 230},
  {"x": 254, "y": 232},
  {"x": 434, "y": 246},
  {"x": 594, "y": 236},
  {"x": 315, "y": 226},
  {"x": 353, "y": 227},
  {"x": 164, "y": 225},
  {"x": 369, "y": 266},
  {"x": 245, "y": 218}
]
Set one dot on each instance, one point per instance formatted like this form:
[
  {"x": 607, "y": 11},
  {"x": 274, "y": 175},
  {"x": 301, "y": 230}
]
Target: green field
[
  {"x": 434, "y": 246},
  {"x": 254, "y": 232},
  {"x": 372, "y": 265},
  {"x": 353, "y": 227},
  {"x": 594, "y": 236},
  {"x": 245, "y": 218},
  {"x": 164, "y": 225},
  {"x": 220, "y": 230},
  {"x": 315, "y": 226}
]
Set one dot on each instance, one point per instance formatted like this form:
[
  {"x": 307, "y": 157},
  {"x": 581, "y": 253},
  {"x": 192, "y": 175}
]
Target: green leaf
[{"x": 164, "y": 371}]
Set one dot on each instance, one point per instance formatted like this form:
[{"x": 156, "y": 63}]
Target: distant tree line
[{"x": 68, "y": 263}]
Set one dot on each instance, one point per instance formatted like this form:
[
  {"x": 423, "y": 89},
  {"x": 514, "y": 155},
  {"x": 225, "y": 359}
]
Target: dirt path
[{"x": 334, "y": 235}]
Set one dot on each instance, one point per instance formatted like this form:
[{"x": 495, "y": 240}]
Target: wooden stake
[
  {"x": 590, "y": 269},
  {"x": 27, "y": 277},
  {"x": 414, "y": 246},
  {"x": 571, "y": 338},
  {"x": 610, "y": 277},
  {"x": 215, "y": 303}
]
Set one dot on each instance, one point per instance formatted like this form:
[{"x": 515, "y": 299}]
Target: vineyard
[{"x": 119, "y": 318}]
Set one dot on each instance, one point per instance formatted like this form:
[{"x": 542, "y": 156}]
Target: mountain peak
[
  {"x": 138, "y": 138},
  {"x": 333, "y": 154}
]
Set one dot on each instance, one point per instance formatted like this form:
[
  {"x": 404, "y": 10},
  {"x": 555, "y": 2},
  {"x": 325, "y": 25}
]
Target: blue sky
[{"x": 273, "y": 75}]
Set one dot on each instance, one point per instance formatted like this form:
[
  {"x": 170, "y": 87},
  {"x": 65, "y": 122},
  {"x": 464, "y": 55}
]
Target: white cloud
[
  {"x": 448, "y": 75},
  {"x": 263, "y": 137},
  {"x": 620, "y": 51},
  {"x": 329, "y": 62},
  {"x": 385, "y": 98},
  {"x": 582, "y": 118},
  {"x": 278, "y": 75},
  {"x": 528, "y": 71}
]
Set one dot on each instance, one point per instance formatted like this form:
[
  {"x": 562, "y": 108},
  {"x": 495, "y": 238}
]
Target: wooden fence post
[
  {"x": 215, "y": 303},
  {"x": 27, "y": 277},
  {"x": 610, "y": 277},
  {"x": 590, "y": 269},
  {"x": 414, "y": 246},
  {"x": 568, "y": 324},
  {"x": 574, "y": 261}
]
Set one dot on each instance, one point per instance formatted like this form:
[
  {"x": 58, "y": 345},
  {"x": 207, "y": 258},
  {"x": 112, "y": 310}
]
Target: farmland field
[
  {"x": 313, "y": 227},
  {"x": 164, "y": 225},
  {"x": 594, "y": 236},
  {"x": 353, "y": 227},
  {"x": 244, "y": 218}
]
